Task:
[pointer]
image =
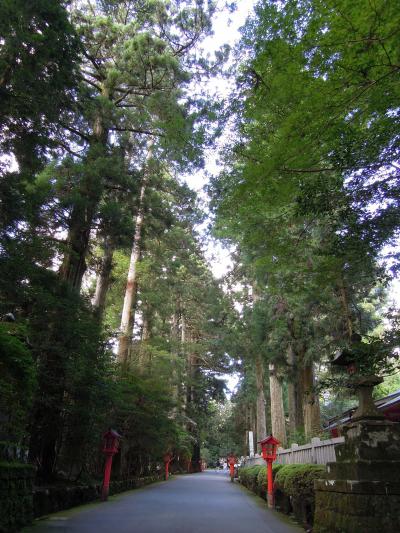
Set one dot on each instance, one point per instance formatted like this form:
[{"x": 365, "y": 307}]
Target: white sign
[{"x": 251, "y": 444}]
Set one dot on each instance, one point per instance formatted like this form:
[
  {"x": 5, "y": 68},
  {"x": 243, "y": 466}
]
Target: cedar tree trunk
[{"x": 278, "y": 426}]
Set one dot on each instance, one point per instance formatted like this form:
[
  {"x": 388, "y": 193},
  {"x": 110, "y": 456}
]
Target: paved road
[{"x": 197, "y": 503}]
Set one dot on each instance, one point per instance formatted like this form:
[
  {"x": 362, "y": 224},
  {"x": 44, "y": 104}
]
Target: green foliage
[
  {"x": 219, "y": 432},
  {"x": 390, "y": 384},
  {"x": 297, "y": 480},
  {"x": 308, "y": 197},
  {"x": 39, "y": 50},
  {"x": 141, "y": 412},
  {"x": 17, "y": 379},
  {"x": 254, "y": 477},
  {"x": 309, "y": 190},
  {"x": 262, "y": 478},
  {"x": 249, "y": 476},
  {"x": 297, "y": 437}
]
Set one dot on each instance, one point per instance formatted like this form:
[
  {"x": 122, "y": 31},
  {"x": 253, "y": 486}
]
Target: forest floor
[{"x": 196, "y": 503}]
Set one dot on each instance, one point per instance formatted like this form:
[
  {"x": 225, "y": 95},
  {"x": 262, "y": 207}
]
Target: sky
[{"x": 225, "y": 32}]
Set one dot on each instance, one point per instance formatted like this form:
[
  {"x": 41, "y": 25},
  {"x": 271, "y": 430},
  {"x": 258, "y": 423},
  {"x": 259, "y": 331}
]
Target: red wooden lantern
[
  {"x": 110, "y": 448},
  {"x": 232, "y": 460},
  {"x": 167, "y": 459},
  {"x": 111, "y": 442},
  {"x": 269, "y": 447}
]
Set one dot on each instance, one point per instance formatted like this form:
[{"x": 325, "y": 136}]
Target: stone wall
[
  {"x": 16, "y": 502},
  {"x": 362, "y": 491},
  {"x": 357, "y": 507},
  {"x": 47, "y": 500}
]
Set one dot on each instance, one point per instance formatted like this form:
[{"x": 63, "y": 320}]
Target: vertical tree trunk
[
  {"x": 103, "y": 277},
  {"x": 347, "y": 317},
  {"x": 144, "y": 357},
  {"x": 145, "y": 336},
  {"x": 190, "y": 369},
  {"x": 253, "y": 424},
  {"x": 175, "y": 368},
  {"x": 131, "y": 285},
  {"x": 296, "y": 419},
  {"x": 74, "y": 265},
  {"x": 91, "y": 189},
  {"x": 312, "y": 418},
  {"x": 260, "y": 403},
  {"x": 183, "y": 389},
  {"x": 277, "y": 412},
  {"x": 192, "y": 373}
]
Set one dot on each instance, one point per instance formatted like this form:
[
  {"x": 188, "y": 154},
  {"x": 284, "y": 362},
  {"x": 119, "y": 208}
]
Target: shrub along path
[{"x": 197, "y": 503}]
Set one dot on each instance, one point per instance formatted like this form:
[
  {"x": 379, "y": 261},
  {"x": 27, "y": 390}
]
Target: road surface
[{"x": 196, "y": 503}]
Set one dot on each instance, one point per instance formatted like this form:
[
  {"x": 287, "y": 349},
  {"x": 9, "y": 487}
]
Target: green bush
[
  {"x": 293, "y": 487},
  {"x": 297, "y": 480},
  {"x": 294, "y": 490},
  {"x": 17, "y": 379},
  {"x": 248, "y": 476},
  {"x": 262, "y": 479}
]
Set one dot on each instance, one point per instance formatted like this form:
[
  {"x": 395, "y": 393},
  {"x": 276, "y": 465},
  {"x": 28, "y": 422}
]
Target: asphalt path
[{"x": 196, "y": 503}]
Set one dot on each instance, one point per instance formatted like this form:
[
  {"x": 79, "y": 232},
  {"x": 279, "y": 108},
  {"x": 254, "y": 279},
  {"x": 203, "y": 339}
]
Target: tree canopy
[{"x": 110, "y": 313}]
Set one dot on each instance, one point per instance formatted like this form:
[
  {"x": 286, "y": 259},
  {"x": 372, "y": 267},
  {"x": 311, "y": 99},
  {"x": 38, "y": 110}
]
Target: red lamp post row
[{"x": 269, "y": 447}]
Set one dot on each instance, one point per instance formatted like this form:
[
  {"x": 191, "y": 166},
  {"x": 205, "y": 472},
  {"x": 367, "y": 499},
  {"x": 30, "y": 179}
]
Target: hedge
[
  {"x": 297, "y": 480},
  {"x": 255, "y": 478},
  {"x": 16, "y": 505},
  {"x": 262, "y": 479},
  {"x": 47, "y": 500},
  {"x": 293, "y": 487}
]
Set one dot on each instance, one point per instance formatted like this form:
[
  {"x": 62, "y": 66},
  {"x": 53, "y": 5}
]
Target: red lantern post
[
  {"x": 167, "y": 459},
  {"x": 110, "y": 448},
  {"x": 269, "y": 447},
  {"x": 232, "y": 460}
]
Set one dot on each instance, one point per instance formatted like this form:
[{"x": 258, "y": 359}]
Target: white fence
[{"x": 317, "y": 452}]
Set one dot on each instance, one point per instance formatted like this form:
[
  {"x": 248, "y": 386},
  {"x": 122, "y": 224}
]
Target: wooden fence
[{"x": 317, "y": 452}]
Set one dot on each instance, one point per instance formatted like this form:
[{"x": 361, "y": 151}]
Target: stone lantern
[{"x": 361, "y": 491}]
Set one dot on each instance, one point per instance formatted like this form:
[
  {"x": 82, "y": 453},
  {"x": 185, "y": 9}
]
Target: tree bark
[
  {"x": 74, "y": 264},
  {"x": 175, "y": 367},
  {"x": 131, "y": 285},
  {"x": 191, "y": 368},
  {"x": 184, "y": 379},
  {"x": 277, "y": 412},
  {"x": 312, "y": 416},
  {"x": 296, "y": 419},
  {"x": 91, "y": 189},
  {"x": 144, "y": 357},
  {"x": 260, "y": 403},
  {"x": 103, "y": 278},
  {"x": 347, "y": 317}
]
